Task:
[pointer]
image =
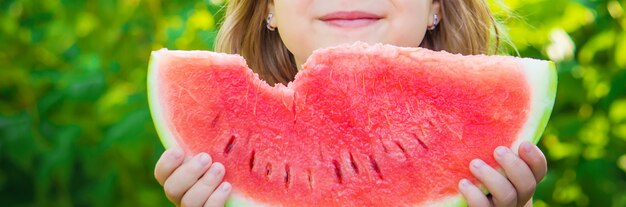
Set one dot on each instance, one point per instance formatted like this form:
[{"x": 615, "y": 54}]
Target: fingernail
[
  {"x": 225, "y": 187},
  {"x": 501, "y": 151},
  {"x": 465, "y": 183},
  {"x": 477, "y": 163},
  {"x": 527, "y": 147},
  {"x": 203, "y": 159},
  {"x": 215, "y": 169}
]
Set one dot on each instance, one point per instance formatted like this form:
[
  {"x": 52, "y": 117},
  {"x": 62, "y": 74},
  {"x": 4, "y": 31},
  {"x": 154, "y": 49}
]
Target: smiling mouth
[{"x": 350, "y": 19}]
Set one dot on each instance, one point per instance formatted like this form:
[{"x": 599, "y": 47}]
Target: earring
[
  {"x": 268, "y": 20},
  {"x": 435, "y": 22}
]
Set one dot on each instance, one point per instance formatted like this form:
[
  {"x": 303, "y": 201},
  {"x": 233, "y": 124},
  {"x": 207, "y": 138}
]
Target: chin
[{"x": 349, "y": 40}]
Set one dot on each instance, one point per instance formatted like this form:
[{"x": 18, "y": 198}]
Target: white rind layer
[
  {"x": 541, "y": 75},
  {"x": 156, "y": 108}
]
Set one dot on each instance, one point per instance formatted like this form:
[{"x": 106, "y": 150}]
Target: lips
[{"x": 350, "y": 19}]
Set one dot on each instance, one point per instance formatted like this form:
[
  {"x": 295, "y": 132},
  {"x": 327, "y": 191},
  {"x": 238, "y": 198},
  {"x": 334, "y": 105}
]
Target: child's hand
[
  {"x": 523, "y": 172},
  {"x": 191, "y": 181}
]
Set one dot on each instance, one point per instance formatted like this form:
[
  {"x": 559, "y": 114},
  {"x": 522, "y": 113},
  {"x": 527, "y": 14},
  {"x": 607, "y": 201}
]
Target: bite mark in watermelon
[{"x": 361, "y": 125}]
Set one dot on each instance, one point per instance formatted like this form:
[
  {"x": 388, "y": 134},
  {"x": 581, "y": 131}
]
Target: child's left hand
[{"x": 523, "y": 172}]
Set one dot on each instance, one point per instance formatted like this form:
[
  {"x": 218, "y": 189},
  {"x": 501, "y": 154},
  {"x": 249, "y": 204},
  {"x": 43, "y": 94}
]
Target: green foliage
[
  {"x": 585, "y": 141},
  {"x": 75, "y": 127}
]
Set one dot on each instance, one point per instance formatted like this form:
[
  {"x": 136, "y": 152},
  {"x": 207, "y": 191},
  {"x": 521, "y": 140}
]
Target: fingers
[
  {"x": 473, "y": 195},
  {"x": 186, "y": 176},
  {"x": 503, "y": 192},
  {"x": 523, "y": 172},
  {"x": 219, "y": 196},
  {"x": 518, "y": 173},
  {"x": 199, "y": 193},
  {"x": 535, "y": 159},
  {"x": 169, "y": 161}
]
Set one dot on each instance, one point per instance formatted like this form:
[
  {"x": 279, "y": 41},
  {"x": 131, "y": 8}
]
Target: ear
[
  {"x": 435, "y": 9},
  {"x": 270, "y": 10}
]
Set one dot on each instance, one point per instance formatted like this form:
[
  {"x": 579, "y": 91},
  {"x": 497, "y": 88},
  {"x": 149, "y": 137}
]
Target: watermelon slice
[{"x": 361, "y": 125}]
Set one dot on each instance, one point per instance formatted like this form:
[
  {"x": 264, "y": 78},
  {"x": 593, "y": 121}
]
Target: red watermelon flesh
[{"x": 361, "y": 125}]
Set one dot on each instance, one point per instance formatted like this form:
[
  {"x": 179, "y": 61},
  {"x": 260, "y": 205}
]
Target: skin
[
  {"x": 197, "y": 181},
  {"x": 403, "y": 23}
]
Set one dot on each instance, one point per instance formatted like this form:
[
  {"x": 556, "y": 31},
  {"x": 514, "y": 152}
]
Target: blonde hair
[{"x": 466, "y": 27}]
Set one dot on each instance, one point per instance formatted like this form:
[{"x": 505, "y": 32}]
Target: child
[{"x": 276, "y": 37}]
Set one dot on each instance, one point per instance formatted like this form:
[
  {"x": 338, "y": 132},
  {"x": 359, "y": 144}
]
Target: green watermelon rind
[
  {"x": 536, "y": 121},
  {"x": 541, "y": 75},
  {"x": 553, "y": 82},
  {"x": 166, "y": 137}
]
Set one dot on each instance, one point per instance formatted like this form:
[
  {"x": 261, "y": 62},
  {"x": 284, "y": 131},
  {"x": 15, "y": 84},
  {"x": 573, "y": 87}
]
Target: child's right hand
[{"x": 191, "y": 181}]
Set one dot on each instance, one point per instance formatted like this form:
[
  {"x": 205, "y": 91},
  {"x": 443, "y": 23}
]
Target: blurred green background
[{"x": 75, "y": 128}]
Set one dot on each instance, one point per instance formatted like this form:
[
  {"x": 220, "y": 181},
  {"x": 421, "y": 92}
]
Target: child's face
[{"x": 306, "y": 25}]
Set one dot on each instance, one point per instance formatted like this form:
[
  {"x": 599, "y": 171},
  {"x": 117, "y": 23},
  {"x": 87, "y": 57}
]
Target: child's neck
[{"x": 299, "y": 64}]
